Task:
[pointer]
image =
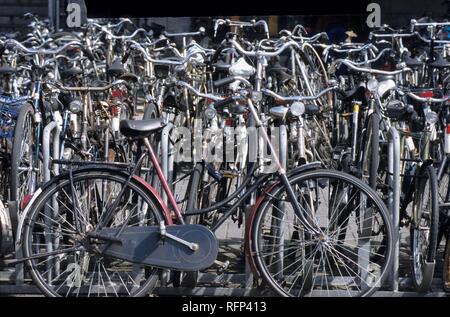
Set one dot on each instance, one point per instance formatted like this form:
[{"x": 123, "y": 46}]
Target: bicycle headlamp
[
  {"x": 76, "y": 106},
  {"x": 297, "y": 108},
  {"x": 431, "y": 117},
  {"x": 210, "y": 113}
]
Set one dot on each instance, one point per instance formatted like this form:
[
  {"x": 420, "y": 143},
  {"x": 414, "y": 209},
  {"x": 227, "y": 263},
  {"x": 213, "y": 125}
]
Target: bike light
[
  {"x": 297, "y": 108},
  {"x": 210, "y": 113},
  {"x": 76, "y": 106},
  {"x": 372, "y": 85},
  {"x": 278, "y": 112},
  {"x": 431, "y": 117}
]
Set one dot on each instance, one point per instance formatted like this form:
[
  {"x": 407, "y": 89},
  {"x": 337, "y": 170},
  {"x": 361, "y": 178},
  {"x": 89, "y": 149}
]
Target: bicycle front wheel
[
  {"x": 351, "y": 254},
  {"x": 59, "y": 222}
]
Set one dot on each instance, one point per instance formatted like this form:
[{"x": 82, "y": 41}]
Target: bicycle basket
[{"x": 9, "y": 110}]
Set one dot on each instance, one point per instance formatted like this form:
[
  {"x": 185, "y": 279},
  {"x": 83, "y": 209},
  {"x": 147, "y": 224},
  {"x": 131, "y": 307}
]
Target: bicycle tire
[
  {"x": 428, "y": 174},
  {"x": 446, "y": 267},
  {"x": 257, "y": 235},
  {"x": 24, "y": 128},
  {"x": 370, "y": 157},
  {"x": 43, "y": 203}
]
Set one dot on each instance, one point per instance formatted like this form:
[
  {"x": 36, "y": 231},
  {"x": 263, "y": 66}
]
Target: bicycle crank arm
[{"x": 192, "y": 246}]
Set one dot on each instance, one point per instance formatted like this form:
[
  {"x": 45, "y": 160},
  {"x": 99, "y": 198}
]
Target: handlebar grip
[
  {"x": 125, "y": 57},
  {"x": 88, "y": 53},
  {"x": 224, "y": 102},
  {"x": 224, "y": 81}
]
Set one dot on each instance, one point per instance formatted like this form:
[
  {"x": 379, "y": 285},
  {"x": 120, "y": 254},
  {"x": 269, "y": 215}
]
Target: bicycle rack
[{"x": 394, "y": 200}]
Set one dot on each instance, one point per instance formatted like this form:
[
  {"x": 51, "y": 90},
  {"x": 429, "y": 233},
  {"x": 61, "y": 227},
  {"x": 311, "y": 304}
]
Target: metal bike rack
[
  {"x": 394, "y": 200},
  {"x": 166, "y": 153}
]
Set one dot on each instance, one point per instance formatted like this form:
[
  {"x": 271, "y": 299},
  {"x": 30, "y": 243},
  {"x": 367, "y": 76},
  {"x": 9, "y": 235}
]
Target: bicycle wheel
[
  {"x": 340, "y": 261},
  {"x": 24, "y": 163},
  {"x": 446, "y": 267},
  {"x": 370, "y": 156},
  {"x": 56, "y": 214},
  {"x": 443, "y": 201},
  {"x": 424, "y": 227}
]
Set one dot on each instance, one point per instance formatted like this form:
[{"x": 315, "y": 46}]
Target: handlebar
[
  {"x": 201, "y": 31},
  {"x": 87, "y": 89},
  {"x": 41, "y": 51},
  {"x": 374, "y": 59},
  {"x": 370, "y": 70},
  {"x": 164, "y": 61},
  {"x": 229, "y": 80},
  {"x": 241, "y": 24},
  {"x": 196, "y": 92},
  {"x": 298, "y": 98},
  {"x": 414, "y": 24},
  {"x": 239, "y": 48},
  {"x": 127, "y": 37},
  {"x": 428, "y": 99},
  {"x": 340, "y": 49}
]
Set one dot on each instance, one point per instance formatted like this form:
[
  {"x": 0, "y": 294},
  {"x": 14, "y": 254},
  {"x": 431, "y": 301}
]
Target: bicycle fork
[{"x": 282, "y": 173}]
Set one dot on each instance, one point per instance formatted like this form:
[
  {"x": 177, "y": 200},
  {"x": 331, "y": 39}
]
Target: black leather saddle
[
  {"x": 141, "y": 128},
  {"x": 440, "y": 62},
  {"x": 7, "y": 70}
]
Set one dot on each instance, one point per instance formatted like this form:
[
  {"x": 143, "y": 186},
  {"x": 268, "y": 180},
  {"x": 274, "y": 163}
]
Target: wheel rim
[
  {"x": 332, "y": 255},
  {"x": 86, "y": 272}
]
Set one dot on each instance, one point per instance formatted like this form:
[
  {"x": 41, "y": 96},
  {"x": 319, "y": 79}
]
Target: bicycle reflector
[
  {"x": 427, "y": 94},
  {"x": 447, "y": 139}
]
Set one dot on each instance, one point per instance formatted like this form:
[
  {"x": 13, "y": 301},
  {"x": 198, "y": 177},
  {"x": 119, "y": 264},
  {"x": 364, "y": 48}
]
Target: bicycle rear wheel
[
  {"x": 53, "y": 222},
  {"x": 425, "y": 226},
  {"x": 344, "y": 259}
]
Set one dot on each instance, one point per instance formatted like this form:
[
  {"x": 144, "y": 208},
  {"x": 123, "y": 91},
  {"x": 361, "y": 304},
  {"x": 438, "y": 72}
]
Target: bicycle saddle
[
  {"x": 357, "y": 93},
  {"x": 116, "y": 68},
  {"x": 411, "y": 62},
  {"x": 141, "y": 128},
  {"x": 281, "y": 72},
  {"x": 130, "y": 77},
  {"x": 440, "y": 62},
  {"x": 6, "y": 69},
  {"x": 73, "y": 71},
  {"x": 221, "y": 65}
]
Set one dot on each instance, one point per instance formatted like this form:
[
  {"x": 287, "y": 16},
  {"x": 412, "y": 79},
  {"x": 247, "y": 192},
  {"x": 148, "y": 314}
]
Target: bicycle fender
[
  {"x": 153, "y": 193},
  {"x": 23, "y": 216},
  {"x": 157, "y": 197}
]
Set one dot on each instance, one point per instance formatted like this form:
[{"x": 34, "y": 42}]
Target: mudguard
[{"x": 153, "y": 193}]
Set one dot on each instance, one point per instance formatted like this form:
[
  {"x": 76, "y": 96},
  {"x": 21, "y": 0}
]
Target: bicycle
[{"x": 128, "y": 212}]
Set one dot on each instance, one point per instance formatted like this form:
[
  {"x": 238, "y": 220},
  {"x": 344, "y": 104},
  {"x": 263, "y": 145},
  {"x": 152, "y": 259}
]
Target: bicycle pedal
[{"x": 223, "y": 266}]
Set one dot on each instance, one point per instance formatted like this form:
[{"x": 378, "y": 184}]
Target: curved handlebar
[
  {"x": 239, "y": 48},
  {"x": 200, "y": 31},
  {"x": 428, "y": 99},
  {"x": 370, "y": 70},
  {"x": 87, "y": 89},
  {"x": 241, "y": 24},
  {"x": 19, "y": 46},
  {"x": 298, "y": 98}
]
